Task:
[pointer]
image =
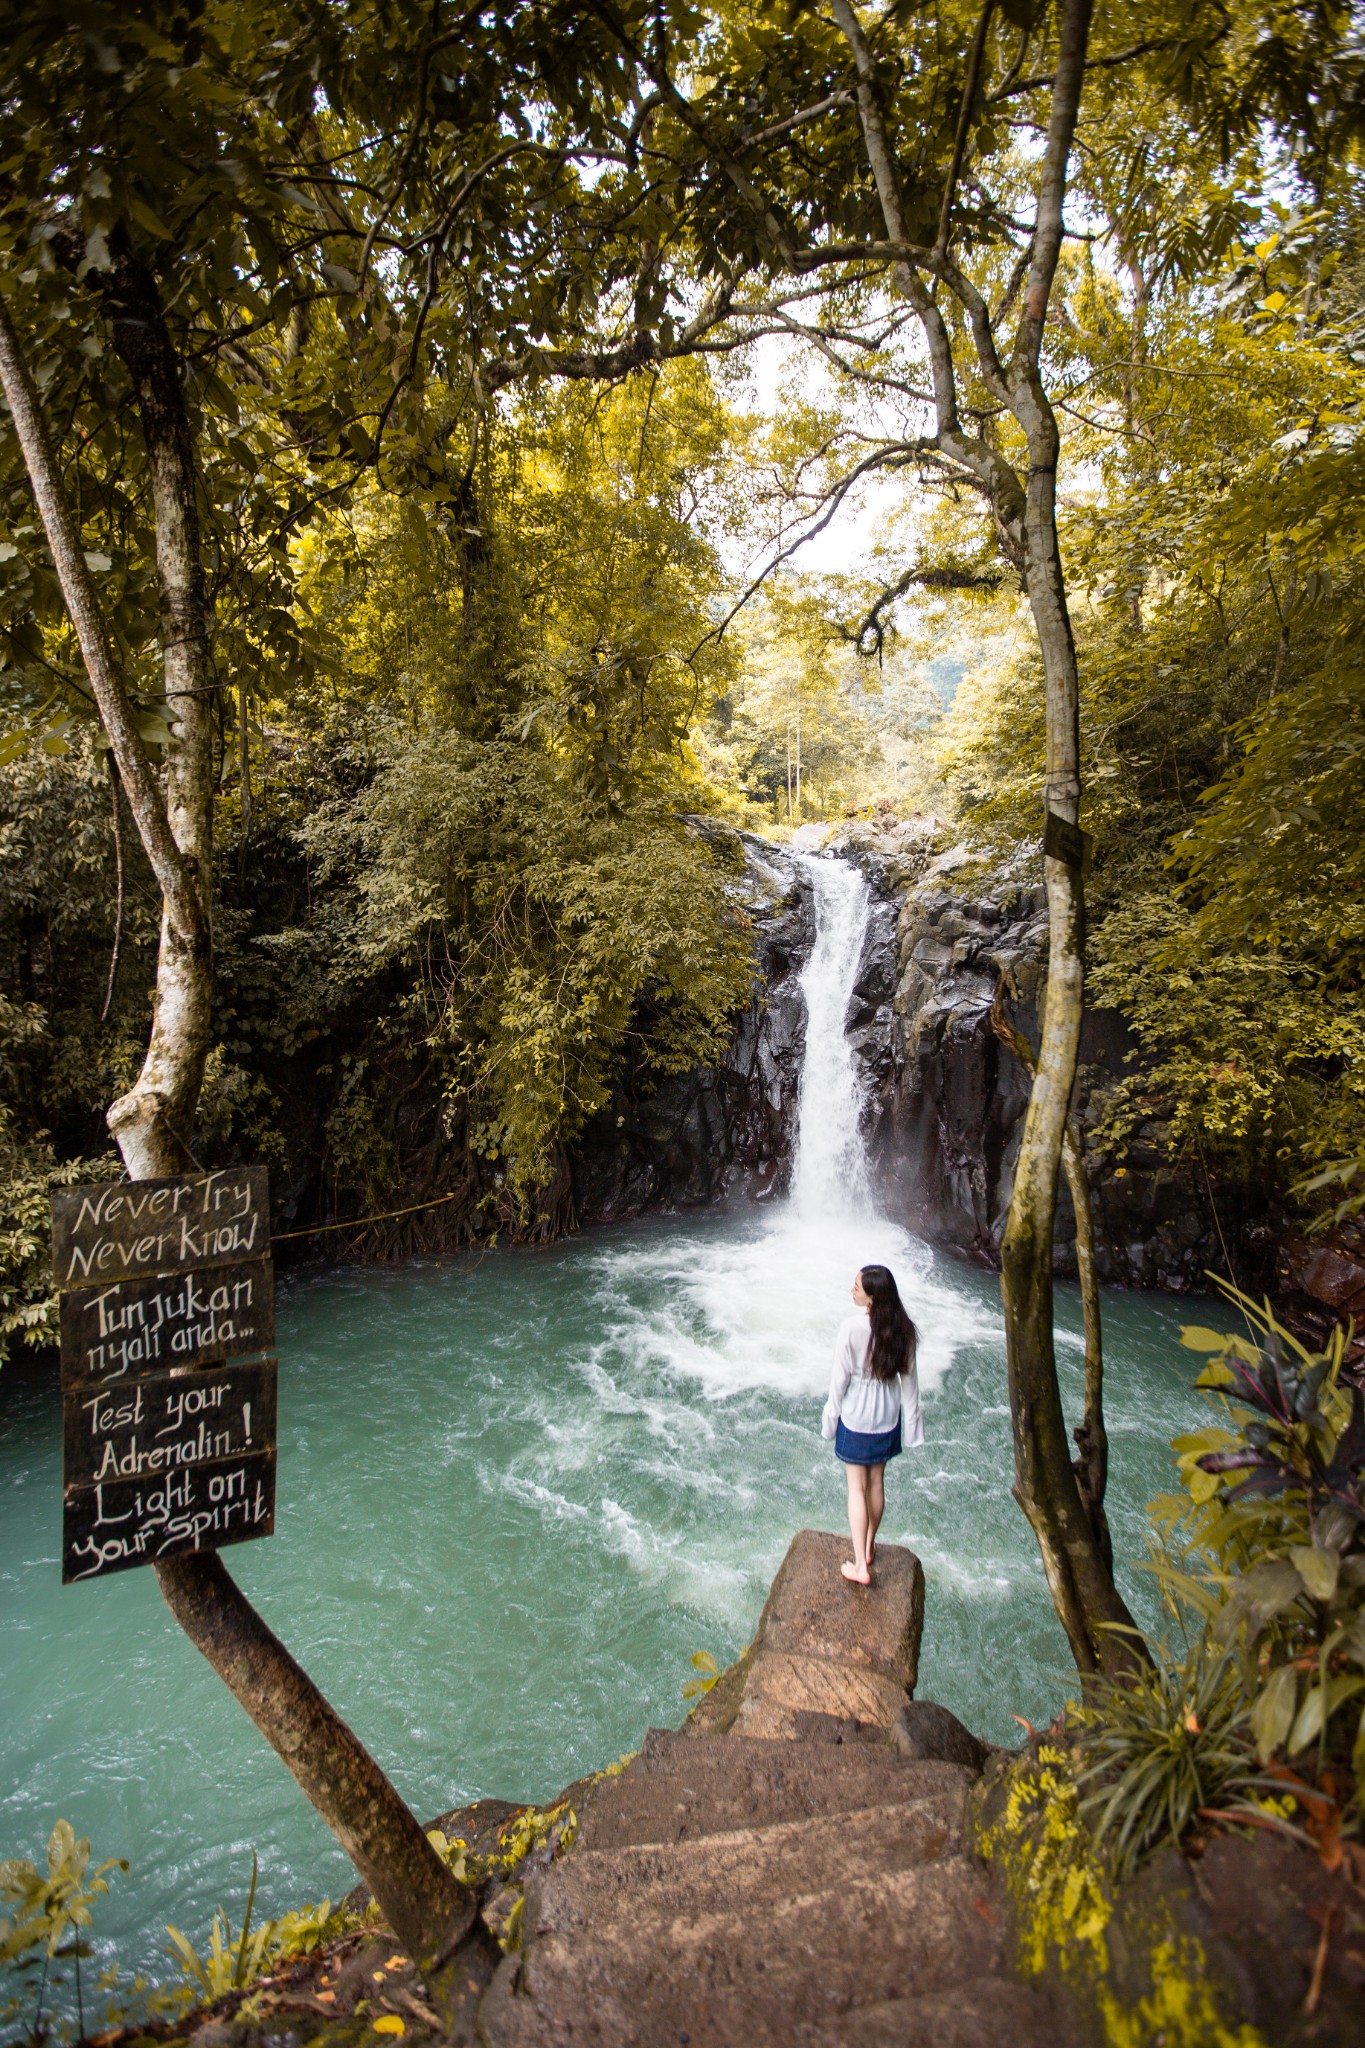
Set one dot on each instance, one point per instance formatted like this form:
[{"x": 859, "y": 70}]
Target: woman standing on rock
[{"x": 873, "y": 1403}]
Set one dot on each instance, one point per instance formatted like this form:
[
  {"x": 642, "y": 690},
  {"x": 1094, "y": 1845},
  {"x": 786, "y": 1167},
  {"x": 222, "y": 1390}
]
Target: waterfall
[{"x": 830, "y": 1175}]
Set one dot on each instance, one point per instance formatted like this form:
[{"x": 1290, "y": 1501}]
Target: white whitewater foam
[
  {"x": 759, "y": 1307},
  {"x": 830, "y": 1173}
]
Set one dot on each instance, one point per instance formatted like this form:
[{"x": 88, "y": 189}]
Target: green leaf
[
  {"x": 1320, "y": 1703},
  {"x": 1272, "y": 1715},
  {"x": 1196, "y": 1338},
  {"x": 1317, "y": 1568},
  {"x": 1257, "y": 1597}
]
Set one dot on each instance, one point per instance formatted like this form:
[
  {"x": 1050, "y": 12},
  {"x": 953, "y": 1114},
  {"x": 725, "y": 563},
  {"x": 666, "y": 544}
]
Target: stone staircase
[{"x": 783, "y": 1870}]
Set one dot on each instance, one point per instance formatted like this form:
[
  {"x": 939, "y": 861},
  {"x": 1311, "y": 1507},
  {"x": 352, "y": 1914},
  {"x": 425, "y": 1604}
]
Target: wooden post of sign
[
  {"x": 168, "y": 1381},
  {"x": 168, "y": 1397}
]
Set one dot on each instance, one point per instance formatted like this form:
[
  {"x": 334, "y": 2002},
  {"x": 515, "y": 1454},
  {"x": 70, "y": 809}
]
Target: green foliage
[
  {"x": 1158, "y": 1748},
  {"x": 234, "y": 1961},
  {"x": 792, "y": 736},
  {"x": 1143, "y": 1979},
  {"x": 1219, "y": 580},
  {"x": 547, "y": 934},
  {"x": 1268, "y": 1543},
  {"x": 207, "y": 159},
  {"x": 48, "y": 1910},
  {"x": 28, "y": 1173},
  {"x": 466, "y": 887},
  {"x": 1261, "y": 1559}
]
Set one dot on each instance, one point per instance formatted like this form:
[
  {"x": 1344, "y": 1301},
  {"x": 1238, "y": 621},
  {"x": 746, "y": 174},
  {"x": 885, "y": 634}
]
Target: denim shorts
[{"x": 854, "y": 1447}]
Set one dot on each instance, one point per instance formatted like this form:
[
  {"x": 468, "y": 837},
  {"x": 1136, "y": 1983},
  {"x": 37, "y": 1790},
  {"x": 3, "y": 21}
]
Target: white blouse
[{"x": 862, "y": 1403}]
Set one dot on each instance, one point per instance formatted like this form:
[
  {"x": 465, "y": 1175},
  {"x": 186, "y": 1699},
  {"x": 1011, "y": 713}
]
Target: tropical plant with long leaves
[{"x": 1268, "y": 1541}]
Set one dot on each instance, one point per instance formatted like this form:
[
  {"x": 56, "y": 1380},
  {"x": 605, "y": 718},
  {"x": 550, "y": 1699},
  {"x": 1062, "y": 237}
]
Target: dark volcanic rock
[
  {"x": 946, "y": 1097},
  {"x": 725, "y": 1130}
]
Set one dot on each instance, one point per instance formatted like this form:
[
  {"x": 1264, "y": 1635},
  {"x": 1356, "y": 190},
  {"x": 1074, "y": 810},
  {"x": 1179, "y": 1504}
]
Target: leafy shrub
[
  {"x": 232, "y": 1962},
  {"x": 48, "y": 1913},
  {"x": 1158, "y": 1747},
  {"x": 1271, "y": 1536},
  {"x": 550, "y": 939},
  {"x": 28, "y": 1173}
]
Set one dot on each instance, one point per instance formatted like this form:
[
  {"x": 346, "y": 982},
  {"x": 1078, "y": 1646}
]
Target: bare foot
[{"x": 859, "y": 1574}]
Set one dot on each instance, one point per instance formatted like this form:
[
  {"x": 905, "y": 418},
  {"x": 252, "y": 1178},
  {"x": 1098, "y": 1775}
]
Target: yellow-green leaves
[
  {"x": 1272, "y": 1713},
  {"x": 1321, "y": 1700},
  {"x": 702, "y": 1661},
  {"x": 1190, "y": 1448},
  {"x": 1258, "y": 1596},
  {"x": 1317, "y": 1568},
  {"x": 48, "y": 1908},
  {"x": 1195, "y": 1338}
]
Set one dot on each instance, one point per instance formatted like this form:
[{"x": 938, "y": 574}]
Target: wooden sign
[
  {"x": 168, "y": 1447},
  {"x": 126, "y": 1522},
  {"x": 122, "y": 1230},
  {"x": 149, "y": 1325},
  {"x": 167, "y": 1422}
]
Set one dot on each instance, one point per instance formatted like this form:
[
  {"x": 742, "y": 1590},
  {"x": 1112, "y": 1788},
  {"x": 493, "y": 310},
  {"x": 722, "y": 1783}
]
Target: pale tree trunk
[
  {"x": 1091, "y": 1464},
  {"x": 1098, "y": 1625},
  {"x": 428, "y": 1910},
  {"x": 151, "y": 1123},
  {"x": 1096, "y": 1619},
  {"x": 1092, "y": 1438}
]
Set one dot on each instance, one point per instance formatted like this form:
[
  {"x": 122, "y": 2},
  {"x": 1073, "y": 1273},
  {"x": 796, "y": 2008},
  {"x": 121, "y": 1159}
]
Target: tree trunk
[
  {"x": 244, "y": 766},
  {"x": 161, "y": 1102},
  {"x": 428, "y": 1911},
  {"x": 1098, "y": 1624},
  {"x": 426, "y": 1906},
  {"x": 1092, "y": 1439},
  {"x": 1092, "y": 1464},
  {"x": 1083, "y": 1591}
]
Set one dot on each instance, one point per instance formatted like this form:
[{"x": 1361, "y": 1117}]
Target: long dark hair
[{"x": 895, "y": 1340}]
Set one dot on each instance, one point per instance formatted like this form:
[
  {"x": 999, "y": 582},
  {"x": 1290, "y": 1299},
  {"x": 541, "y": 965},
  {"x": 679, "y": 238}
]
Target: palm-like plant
[{"x": 1159, "y": 1746}]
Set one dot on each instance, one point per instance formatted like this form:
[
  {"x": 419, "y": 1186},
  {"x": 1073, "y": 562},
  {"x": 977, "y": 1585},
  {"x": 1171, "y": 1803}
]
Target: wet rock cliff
[
  {"x": 727, "y": 1130},
  {"x": 946, "y": 1096}
]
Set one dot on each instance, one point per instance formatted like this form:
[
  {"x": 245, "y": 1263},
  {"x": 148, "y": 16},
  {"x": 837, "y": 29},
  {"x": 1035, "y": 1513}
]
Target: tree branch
[
  {"x": 964, "y": 121},
  {"x": 96, "y": 642},
  {"x": 1047, "y": 234}
]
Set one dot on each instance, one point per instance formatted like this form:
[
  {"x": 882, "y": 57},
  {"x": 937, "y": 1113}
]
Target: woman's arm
[{"x": 838, "y": 1384}]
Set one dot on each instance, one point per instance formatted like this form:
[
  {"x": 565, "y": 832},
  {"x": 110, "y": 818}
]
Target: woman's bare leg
[
  {"x": 876, "y": 1506},
  {"x": 858, "y": 1525}
]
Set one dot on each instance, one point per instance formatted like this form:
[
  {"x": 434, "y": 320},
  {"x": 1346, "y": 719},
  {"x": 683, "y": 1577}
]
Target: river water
[{"x": 518, "y": 1491}]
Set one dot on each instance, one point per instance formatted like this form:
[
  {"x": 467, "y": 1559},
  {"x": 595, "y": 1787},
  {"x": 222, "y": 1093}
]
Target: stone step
[
  {"x": 801, "y": 1967},
  {"x": 751, "y": 1866},
  {"x": 998, "y": 2012},
  {"x": 681, "y": 1787}
]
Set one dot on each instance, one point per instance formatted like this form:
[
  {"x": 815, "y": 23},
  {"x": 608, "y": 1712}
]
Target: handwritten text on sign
[
  {"x": 166, "y": 1450},
  {"x": 136, "y": 1326},
  {"x": 127, "y": 1229},
  {"x": 127, "y": 1522},
  {"x": 166, "y": 1422}
]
